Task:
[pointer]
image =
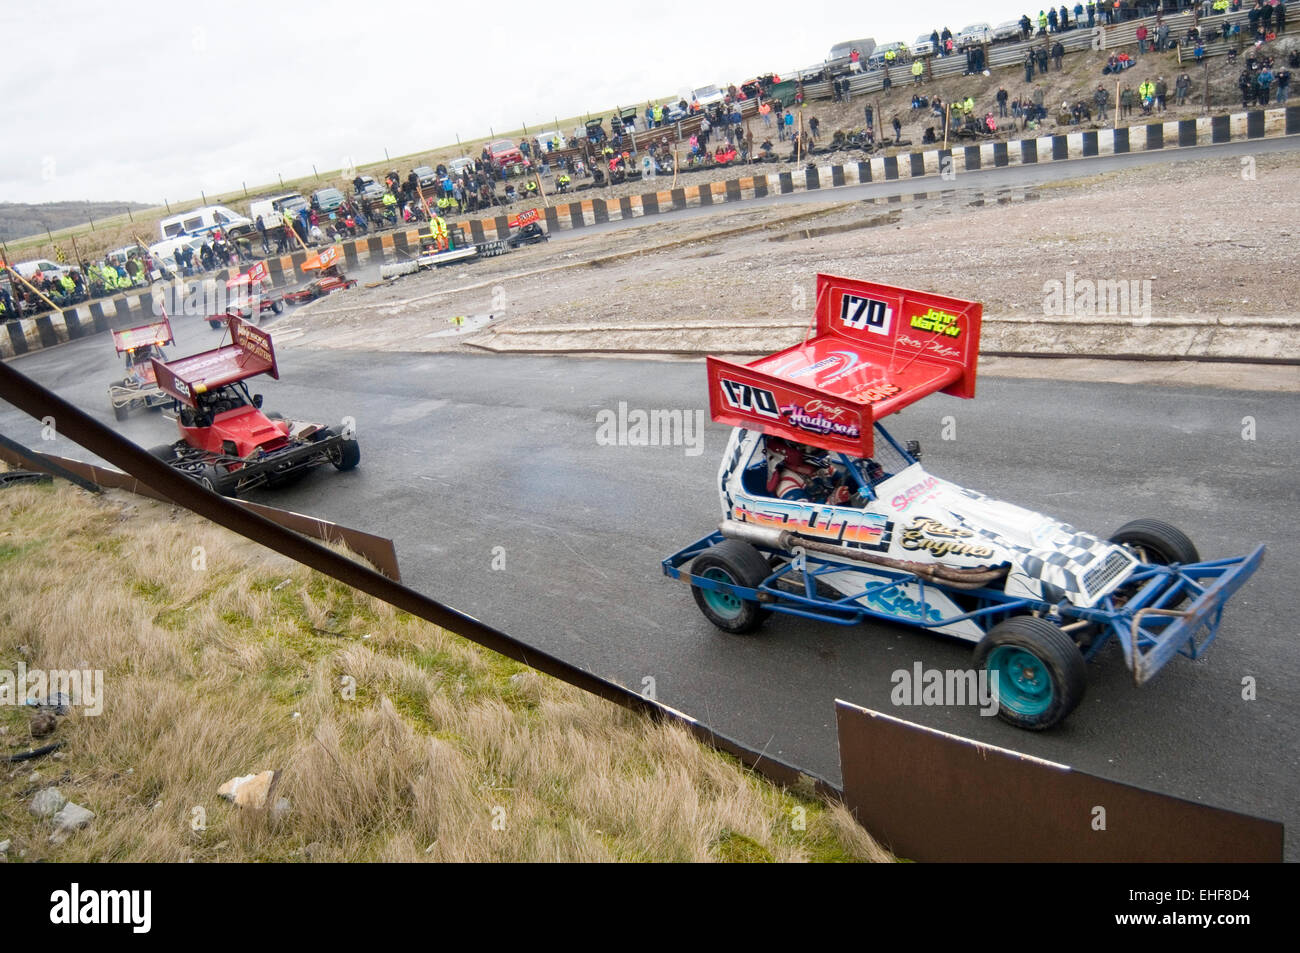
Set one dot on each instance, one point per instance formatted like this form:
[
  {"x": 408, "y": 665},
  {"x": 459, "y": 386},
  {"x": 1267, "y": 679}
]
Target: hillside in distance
[{"x": 20, "y": 219}]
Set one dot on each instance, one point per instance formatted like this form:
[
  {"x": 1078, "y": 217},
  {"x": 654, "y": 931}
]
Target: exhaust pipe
[{"x": 974, "y": 578}]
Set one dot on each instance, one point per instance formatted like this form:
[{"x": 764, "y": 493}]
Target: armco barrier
[{"x": 31, "y": 334}]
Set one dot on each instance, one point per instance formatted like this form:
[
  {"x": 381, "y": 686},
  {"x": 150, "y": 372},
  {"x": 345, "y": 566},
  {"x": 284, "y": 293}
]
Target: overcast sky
[{"x": 146, "y": 102}]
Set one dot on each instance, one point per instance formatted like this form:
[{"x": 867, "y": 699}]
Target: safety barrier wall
[{"x": 32, "y": 334}]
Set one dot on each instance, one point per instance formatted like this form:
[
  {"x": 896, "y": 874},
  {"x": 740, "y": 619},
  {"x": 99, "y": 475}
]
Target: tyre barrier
[{"x": 397, "y": 269}]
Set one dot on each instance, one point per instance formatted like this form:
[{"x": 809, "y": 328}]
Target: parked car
[
  {"x": 977, "y": 34},
  {"x": 367, "y": 189},
  {"x": 1010, "y": 30},
  {"x": 29, "y": 269},
  {"x": 878, "y": 58},
  {"x": 841, "y": 59},
  {"x": 326, "y": 200},
  {"x": 426, "y": 176},
  {"x": 706, "y": 96},
  {"x": 923, "y": 46},
  {"x": 506, "y": 154}
]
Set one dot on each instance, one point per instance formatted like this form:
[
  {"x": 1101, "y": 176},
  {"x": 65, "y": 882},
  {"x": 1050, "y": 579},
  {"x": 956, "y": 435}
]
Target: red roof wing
[
  {"x": 250, "y": 353},
  {"x": 160, "y": 333},
  {"x": 877, "y": 348}
]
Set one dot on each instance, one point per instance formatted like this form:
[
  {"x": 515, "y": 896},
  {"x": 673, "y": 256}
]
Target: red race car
[
  {"x": 328, "y": 281},
  {"x": 139, "y": 346},
  {"x": 227, "y": 444},
  {"x": 252, "y": 297}
]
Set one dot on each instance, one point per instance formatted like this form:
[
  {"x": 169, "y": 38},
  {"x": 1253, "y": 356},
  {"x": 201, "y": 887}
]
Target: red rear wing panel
[
  {"x": 250, "y": 353},
  {"x": 160, "y": 333},
  {"x": 877, "y": 349}
]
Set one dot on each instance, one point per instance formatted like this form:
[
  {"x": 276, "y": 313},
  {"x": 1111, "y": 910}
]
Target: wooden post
[{"x": 947, "y": 121}]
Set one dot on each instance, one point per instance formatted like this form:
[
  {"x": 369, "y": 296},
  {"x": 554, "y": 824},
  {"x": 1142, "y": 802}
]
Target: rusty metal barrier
[
  {"x": 929, "y": 795},
  {"x": 377, "y": 549},
  {"x": 168, "y": 484}
]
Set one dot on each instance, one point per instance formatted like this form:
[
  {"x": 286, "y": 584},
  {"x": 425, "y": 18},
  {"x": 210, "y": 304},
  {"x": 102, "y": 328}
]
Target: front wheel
[
  {"x": 345, "y": 454},
  {"x": 1157, "y": 542},
  {"x": 1036, "y": 670},
  {"x": 121, "y": 411},
  {"x": 732, "y": 563},
  {"x": 214, "y": 479}
]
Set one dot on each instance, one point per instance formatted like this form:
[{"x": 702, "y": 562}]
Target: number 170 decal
[{"x": 866, "y": 314}]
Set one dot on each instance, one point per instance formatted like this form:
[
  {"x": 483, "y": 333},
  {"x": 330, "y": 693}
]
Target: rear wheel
[
  {"x": 215, "y": 323},
  {"x": 1040, "y": 675},
  {"x": 121, "y": 411},
  {"x": 732, "y": 563},
  {"x": 166, "y": 452}
]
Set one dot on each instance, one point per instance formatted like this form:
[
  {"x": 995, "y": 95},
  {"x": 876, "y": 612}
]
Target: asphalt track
[{"x": 463, "y": 454}]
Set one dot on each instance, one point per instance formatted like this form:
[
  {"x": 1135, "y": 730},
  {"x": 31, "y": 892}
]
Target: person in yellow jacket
[
  {"x": 109, "y": 274},
  {"x": 439, "y": 229},
  {"x": 918, "y": 69}
]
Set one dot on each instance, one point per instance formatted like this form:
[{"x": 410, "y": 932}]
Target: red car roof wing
[
  {"x": 250, "y": 353},
  {"x": 877, "y": 348},
  {"x": 160, "y": 333}
]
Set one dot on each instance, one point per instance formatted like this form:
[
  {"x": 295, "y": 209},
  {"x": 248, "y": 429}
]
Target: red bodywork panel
[
  {"x": 877, "y": 348},
  {"x": 250, "y": 353},
  {"x": 243, "y": 430},
  {"x": 320, "y": 287},
  {"x": 159, "y": 332}
]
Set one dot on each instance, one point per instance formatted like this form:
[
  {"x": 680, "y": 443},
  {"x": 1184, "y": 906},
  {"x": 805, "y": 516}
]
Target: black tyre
[
  {"x": 345, "y": 454},
  {"x": 1157, "y": 542},
  {"x": 166, "y": 452},
  {"x": 215, "y": 479},
  {"x": 738, "y": 564},
  {"x": 121, "y": 411},
  {"x": 214, "y": 324},
  {"x": 277, "y": 306},
  {"x": 1040, "y": 673}
]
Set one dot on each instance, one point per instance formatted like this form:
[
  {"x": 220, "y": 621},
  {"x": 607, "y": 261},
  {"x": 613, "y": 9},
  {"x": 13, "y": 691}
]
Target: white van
[{"x": 203, "y": 220}]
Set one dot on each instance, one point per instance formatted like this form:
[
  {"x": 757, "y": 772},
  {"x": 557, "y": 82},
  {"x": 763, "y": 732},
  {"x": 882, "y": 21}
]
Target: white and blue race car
[{"x": 825, "y": 515}]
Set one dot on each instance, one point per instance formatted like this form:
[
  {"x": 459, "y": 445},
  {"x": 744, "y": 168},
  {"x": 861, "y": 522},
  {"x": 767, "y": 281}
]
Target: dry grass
[{"x": 237, "y": 667}]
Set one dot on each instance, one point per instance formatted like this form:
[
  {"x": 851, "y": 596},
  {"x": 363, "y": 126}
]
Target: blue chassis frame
[{"x": 1149, "y": 632}]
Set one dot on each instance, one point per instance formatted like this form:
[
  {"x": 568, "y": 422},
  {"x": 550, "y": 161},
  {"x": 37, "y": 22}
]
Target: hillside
[{"x": 20, "y": 219}]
